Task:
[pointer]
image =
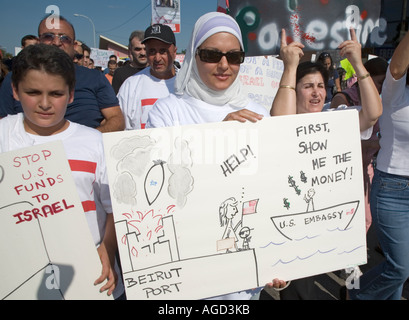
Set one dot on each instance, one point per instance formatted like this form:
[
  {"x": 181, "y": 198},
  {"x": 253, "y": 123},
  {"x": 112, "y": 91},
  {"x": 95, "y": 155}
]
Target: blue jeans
[{"x": 390, "y": 217}]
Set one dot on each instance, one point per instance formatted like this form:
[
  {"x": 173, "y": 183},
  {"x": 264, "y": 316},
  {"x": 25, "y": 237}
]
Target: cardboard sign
[
  {"x": 260, "y": 78},
  {"x": 101, "y": 57},
  {"x": 45, "y": 243},
  {"x": 233, "y": 205},
  {"x": 167, "y": 12}
]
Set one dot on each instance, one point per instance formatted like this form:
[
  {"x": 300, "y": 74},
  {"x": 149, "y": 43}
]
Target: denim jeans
[{"x": 390, "y": 217}]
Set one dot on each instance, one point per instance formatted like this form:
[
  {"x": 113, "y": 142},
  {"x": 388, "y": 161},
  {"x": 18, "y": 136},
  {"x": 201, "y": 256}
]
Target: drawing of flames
[{"x": 146, "y": 230}]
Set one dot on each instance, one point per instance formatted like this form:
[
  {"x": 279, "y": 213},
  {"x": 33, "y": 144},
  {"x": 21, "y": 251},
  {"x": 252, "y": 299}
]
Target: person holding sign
[
  {"x": 43, "y": 80},
  {"x": 390, "y": 186},
  {"x": 302, "y": 86},
  {"x": 303, "y": 90},
  {"x": 207, "y": 88}
]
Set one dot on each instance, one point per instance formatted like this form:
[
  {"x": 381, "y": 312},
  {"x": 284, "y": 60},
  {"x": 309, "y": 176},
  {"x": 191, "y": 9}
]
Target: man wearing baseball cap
[{"x": 139, "y": 92}]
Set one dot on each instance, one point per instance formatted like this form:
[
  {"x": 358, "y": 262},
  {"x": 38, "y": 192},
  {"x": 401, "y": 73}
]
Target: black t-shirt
[{"x": 121, "y": 74}]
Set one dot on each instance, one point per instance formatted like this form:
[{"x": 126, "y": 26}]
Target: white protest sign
[
  {"x": 167, "y": 12},
  {"x": 260, "y": 78},
  {"x": 101, "y": 57},
  {"x": 233, "y": 205},
  {"x": 45, "y": 243}
]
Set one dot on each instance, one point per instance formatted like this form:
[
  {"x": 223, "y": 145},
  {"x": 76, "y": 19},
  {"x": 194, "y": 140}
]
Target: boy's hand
[{"x": 107, "y": 273}]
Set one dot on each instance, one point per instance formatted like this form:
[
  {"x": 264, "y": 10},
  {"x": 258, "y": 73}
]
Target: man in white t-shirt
[{"x": 139, "y": 92}]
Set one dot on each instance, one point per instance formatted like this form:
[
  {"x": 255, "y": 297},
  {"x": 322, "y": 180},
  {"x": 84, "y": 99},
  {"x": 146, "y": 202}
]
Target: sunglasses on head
[
  {"x": 49, "y": 37},
  {"x": 214, "y": 56}
]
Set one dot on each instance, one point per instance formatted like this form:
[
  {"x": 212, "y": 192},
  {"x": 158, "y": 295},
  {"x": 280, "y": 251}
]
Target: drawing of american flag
[{"x": 250, "y": 207}]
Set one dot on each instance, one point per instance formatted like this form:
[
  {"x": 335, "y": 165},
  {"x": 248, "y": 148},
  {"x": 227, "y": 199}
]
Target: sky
[{"x": 113, "y": 19}]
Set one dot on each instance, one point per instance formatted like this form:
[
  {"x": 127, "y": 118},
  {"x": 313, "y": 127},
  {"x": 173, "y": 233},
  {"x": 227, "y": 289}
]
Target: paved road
[{"x": 328, "y": 285}]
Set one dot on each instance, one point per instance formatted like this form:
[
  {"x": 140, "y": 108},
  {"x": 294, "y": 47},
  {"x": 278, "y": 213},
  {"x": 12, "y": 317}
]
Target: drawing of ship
[{"x": 297, "y": 226}]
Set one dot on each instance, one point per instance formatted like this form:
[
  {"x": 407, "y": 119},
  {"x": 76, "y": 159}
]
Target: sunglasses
[
  {"x": 214, "y": 56},
  {"x": 49, "y": 37}
]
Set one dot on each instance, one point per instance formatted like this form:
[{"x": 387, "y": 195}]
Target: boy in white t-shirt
[{"x": 43, "y": 81}]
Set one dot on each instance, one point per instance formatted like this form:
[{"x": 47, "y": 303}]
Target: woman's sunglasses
[{"x": 214, "y": 56}]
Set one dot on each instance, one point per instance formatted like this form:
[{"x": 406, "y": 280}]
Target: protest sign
[
  {"x": 101, "y": 57},
  {"x": 260, "y": 78},
  {"x": 167, "y": 12},
  {"x": 45, "y": 243},
  {"x": 261, "y": 22},
  {"x": 234, "y": 205}
]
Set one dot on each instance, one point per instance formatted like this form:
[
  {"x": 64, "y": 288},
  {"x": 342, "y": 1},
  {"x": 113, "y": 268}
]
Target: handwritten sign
[
  {"x": 46, "y": 246},
  {"x": 260, "y": 78},
  {"x": 261, "y": 22},
  {"x": 167, "y": 12},
  {"x": 236, "y": 205},
  {"x": 101, "y": 57}
]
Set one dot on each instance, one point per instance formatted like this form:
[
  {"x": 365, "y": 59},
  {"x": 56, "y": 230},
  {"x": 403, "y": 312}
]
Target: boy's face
[{"x": 44, "y": 98}]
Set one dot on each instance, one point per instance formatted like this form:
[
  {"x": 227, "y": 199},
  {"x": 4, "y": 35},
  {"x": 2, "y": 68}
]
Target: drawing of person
[
  {"x": 245, "y": 235},
  {"x": 227, "y": 211},
  {"x": 309, "y": 198}
]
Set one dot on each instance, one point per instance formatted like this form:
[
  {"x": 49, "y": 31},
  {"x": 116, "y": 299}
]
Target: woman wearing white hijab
[{"x": 207, "y": 87}]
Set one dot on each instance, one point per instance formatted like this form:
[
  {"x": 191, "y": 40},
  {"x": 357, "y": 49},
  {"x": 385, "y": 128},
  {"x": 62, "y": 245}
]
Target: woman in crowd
[
  {"x": 207, "y": 87},
  {"x": 302, "y": 86},
  {"x": 334, "y": 81},
  {"x": 390, "y": 186},
  {"x": 351, "y": 97}
]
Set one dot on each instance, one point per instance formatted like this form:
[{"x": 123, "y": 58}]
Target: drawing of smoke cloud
[
  {"x": 133, "y": 155},
  {"x": 181, "y": 180},
  {"x": 128, "y": 145},
  {"x": 125, "y": 189}
]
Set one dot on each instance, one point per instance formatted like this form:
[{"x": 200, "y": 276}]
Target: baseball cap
[{"x": 160, "y": 32}]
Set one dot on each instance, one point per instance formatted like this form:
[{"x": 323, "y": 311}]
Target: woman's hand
[
  {"x": 243, "y": 115},
  {"x": 292, "y": 53},
  {"x": 351, "y": 49},
  {"x": 277, "y": 284}
]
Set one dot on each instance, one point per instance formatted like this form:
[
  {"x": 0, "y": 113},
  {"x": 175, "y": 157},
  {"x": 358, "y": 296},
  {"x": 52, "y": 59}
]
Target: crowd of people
[{"x": 53, "y": 92}]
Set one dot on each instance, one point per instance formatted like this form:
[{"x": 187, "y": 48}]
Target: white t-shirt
[
  {"x": 184, "y": 110},
  {"x": 138, "y": 94},
  {"x": 393, "y": 156}
]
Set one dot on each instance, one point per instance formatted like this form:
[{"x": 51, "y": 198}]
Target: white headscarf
[{"x": 188, "y": 80}]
